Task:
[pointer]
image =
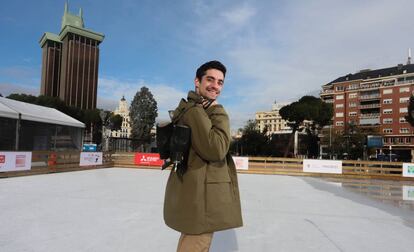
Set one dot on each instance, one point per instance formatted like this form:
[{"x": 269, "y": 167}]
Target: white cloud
[
  {"x": 107, "y": 103},
  {"x": 239, "y": 15},
  {"x": 20, "y": 72},
  {"x": 274, "y": 50},
  {"x": 7, "y": 89},
  {"x": 311, "y": 43},
  {"x": 217, "y": 23},
  {"x": 111, "y": 91}
]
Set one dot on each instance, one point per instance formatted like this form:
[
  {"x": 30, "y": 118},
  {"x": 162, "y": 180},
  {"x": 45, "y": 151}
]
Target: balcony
[
  {"x": 370, "y": 97},
  {"x": 369, "y": 121},
  {"x": 375, "y": 85},
  {"x": 327, "y": 92},
  {"x": 388, "y": 83},
  {"x": 370, "y": 115},
  {"x": 406, "y": 82},
  {"x": 368, "y": 106},
  {"x": 353, "y": 87}
]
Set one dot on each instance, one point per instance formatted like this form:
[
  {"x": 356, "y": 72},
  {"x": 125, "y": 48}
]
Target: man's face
[{"x": 211, "y": 84}]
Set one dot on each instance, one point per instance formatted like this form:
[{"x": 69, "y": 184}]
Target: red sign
[
  {"x": 2, "y": 159},
  {"x": 51, "y": 159},
  {"x": 150, "y": 159},
  {"x": 20, "y": 160}
]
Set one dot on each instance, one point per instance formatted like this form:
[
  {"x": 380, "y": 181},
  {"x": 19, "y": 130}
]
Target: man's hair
[{"x": 201, "y": 71}]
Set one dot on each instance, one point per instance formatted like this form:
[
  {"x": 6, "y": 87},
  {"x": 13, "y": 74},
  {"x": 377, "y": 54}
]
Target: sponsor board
[
  {"x": 322, "y": 166},
  {"x": 242, "y": 163},
  {"x": 148, "y": 159},
  {"x": 408, "y": 192},
  {"x": 15, "y": 161},
  {"x": 89, "y": 147},
  {"x": 90, "y": 158},
  {"x": 408, "y": 170}
]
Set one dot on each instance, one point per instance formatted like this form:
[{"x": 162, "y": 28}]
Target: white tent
[{"x": 12, "y": 109}]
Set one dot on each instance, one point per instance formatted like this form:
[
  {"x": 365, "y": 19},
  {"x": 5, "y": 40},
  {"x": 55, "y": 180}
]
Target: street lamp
[
  {"x": 102, "y": 114},
  {"x": 330, "y": 140},
  {"x": 390, "y": 153}
]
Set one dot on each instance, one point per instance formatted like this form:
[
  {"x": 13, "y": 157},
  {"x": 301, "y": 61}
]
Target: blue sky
[{"x": 274, "y": 50}]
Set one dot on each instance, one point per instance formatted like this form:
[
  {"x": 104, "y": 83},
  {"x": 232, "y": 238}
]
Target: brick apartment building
[{"x": 378, "y": 99}]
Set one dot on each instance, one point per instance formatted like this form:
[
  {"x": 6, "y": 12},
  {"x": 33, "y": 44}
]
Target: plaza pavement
[{"x": 120, "y": 209}]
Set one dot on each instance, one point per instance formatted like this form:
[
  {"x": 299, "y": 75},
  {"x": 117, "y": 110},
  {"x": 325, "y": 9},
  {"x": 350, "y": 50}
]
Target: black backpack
[{"x": 173, "y": 144}]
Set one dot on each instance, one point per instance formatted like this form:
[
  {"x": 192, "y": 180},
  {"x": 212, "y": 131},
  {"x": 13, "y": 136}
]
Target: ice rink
[{"x": 120, "y": 209}]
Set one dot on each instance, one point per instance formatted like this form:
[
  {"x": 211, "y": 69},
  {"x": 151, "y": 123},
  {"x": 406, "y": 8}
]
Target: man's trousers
[{"x": 194, "y": 243}]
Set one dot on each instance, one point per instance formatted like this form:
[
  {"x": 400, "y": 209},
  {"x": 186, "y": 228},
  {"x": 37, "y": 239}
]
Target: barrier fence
[
  {"x": 350, "y": 168},
  {"x": 51, "y": 162}
]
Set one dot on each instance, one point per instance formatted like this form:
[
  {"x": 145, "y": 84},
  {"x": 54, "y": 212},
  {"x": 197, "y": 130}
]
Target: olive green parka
[{"x": 207, "y": 199}]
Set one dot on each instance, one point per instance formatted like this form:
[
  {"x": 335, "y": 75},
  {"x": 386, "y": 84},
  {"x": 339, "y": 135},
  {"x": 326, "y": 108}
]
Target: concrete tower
[{"x": 70, "y": 62}]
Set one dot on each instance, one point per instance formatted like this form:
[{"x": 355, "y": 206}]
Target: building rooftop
[
  {"x": 10, "y": 108},
  {"x": 378, "y": 73},
  {"x": 72, "y": 20},
  {"x": 120, "y": 209},
  {"x": 71, "y": 24}
]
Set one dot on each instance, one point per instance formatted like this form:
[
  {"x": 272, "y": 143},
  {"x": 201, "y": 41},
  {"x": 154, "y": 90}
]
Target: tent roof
[{"x": 11, "y": 109}]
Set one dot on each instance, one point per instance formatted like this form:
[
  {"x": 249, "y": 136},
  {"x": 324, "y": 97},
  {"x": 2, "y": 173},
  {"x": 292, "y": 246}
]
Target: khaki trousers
[{"x": 194, "y": 243}]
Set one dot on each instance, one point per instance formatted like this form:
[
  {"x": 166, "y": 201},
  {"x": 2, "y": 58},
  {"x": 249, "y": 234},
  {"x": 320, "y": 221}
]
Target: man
[{"x": 206, "y": 199}]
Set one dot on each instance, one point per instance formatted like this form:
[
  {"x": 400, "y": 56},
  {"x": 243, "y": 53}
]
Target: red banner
[{"x": 149, "y": 159}]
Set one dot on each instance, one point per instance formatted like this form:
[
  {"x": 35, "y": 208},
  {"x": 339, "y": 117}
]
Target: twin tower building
[{"x": 70, "y": 62}]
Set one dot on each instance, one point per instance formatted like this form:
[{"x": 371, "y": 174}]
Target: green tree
[
  {"x": 317, "y": 114},
  {"x": 409, "y": 117},
  {"x": 143, "y": 112},
  {"x": 253, "y": 142},
  {"x": 350, "y": 143},
  {"x": 23, "y": 98},
  {"x": 115, "y": 122},
  {"x": 110, "y": 120}
]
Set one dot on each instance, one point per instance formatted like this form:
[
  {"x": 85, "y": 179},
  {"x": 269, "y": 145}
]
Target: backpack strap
[{"x": 188, "y": 106}]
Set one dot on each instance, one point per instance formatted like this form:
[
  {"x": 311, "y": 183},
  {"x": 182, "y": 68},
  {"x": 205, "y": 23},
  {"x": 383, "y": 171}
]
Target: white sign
[
  {"x": 408, "y": 192},
  {"x": 242, "y": 163},
  {"x": 408, "y": 170},
  {"x": 90, "y": 158},
  {"x": 15, "y": 161},
  {"x": 322, "y": 166}
]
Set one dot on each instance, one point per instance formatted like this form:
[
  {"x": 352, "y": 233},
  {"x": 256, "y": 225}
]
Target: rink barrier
[
  {"x": 51, "y": 162},
  {"x": 44, "y": 162},
  {"x": 294, "y": 167},
  {"x": 350, "y": 168}
]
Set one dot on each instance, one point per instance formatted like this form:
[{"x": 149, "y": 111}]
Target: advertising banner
[
  {"x": 408, "y": 192},
  {"x": 408, "y": 170},
  {"x": 89, "y": 147},
  {"x": 15, "y": 161},
  {"x": 90, "y": 158},
  {"x": 374, "y": 141},
  {"x": 322, "y": 166},
  {"x": 242, "y": 163},
  {"x": 148, "y": 159}
]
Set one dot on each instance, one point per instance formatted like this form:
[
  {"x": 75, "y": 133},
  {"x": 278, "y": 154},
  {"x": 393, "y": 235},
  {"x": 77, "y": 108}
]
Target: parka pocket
[
  {"x": 218, "y": 176},
  {"x": 218, "y": 188}
]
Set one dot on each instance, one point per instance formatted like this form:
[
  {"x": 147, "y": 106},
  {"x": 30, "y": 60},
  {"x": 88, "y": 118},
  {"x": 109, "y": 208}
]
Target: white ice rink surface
[{"x": 120, "y": 209}]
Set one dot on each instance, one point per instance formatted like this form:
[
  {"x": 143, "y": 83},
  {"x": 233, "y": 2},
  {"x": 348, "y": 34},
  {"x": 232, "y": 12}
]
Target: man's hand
[{"x": 208, "y": 102}]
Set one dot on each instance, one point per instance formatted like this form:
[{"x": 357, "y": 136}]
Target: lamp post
[
  {"x": 330, "y": 141},
  {"x": 390, "y": 153},
  {"x": 102, "y": 114}
]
